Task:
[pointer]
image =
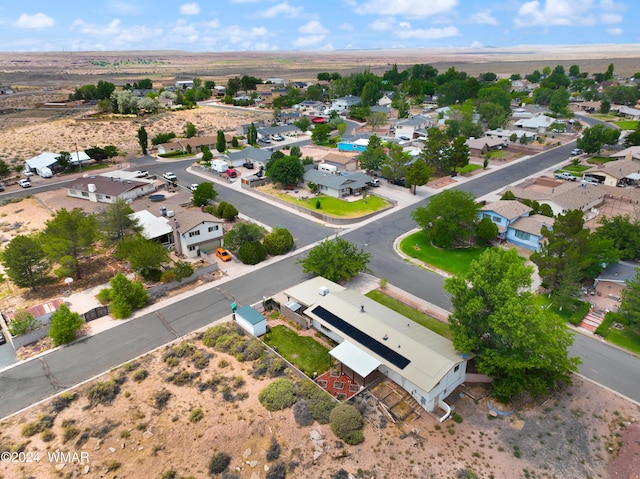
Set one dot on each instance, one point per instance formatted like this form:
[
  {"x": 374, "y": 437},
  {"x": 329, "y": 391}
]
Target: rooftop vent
[{"x": 323, "y": 290}]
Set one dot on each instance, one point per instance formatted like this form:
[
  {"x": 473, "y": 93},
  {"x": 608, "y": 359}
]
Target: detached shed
[{"x": 251, "y": 321}]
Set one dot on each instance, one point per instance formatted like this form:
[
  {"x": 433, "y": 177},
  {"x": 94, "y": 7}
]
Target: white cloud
[
  {"x": 428, "y": 33},
  {"x": 35, "y": 22},
  {"x": 610, "y": 18},
  {"x": 314, "y": 27},
  {"x": 555, "y": 12},
  {"x": 382, "y": 25},
  {"x": 189, "y": 9},
  {"x": 123, "y": 8},
  {"x": 483, "y": 18},
  {"x": 404, "y": 25},
  {"x": 116, "y": 34},
  {"x": 347, "y": 27},
  {"x": 281, "y": 9},
  {"x": 476, "y": 44},
  {"x": 407, "y": 8},
  {"x": 308, "y": 41},
  {"x": 615, "y": 31}
]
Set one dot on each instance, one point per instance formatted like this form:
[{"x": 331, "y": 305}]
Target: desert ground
[{"x": 582, "y": 431}]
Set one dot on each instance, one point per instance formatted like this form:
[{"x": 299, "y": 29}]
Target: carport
[{"x": 355, "y": 363}]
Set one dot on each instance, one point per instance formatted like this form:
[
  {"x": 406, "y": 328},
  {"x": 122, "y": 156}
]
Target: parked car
[
  {"x": 231, "y": 173},
  {"x": 169, "y": 176},
  {"x": 564, "y": 175},
  {"x": 398, "y": 182},
  {"x": 193, "y": 186},
  {"x": 223, "y": 254},
  {"x": 403, "y": 138},
  {"x": 264, "y": 140},
  {"x": 576, "y": 152},
  {"x": 29, "y": 174},
  {"x": 590, "y": 181},
  {"x": 248, "y": 165},
  {"x": 25, "y": 183},
  {"x": 141, "y": 173},
  {"x": 1, "y": 188},
  {"x": 277, "y": 137},
  {"x": 373, "y": 182}
]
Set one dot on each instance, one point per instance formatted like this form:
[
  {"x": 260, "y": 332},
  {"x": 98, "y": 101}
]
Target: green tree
[
  {"x": 64, "y": 325},
  {"x": 633, "y": 138},
  {"x": 624, "y": 233},
  {"x": 486, "y": 231},
  {"x": 458, "y": 153},
  {"x": 203, "y": 194},
  {"x": 336, "y": 260},
  {"x": 346, "y": 423},
  {"x": 574, "y": 71},
  {"x": 303, "y": 123},
  {"x": 396, "y": 163},
  {"x": 64, "y": 160},
  {"x": 594, "y": 138},
  {"x": 126, "y": 296},
  {"x": 104, "y": 90},
  {"x": 418, "y": 174},
  {"x": 252, "y": 253},
  {"x": 25, "y": 261},
  {"x": 70, "y": 233},
  {"x": 376, "y": 119},
  {"x": 436, "y": 149},
  {"x": 190, "y": 130},
  {"x": 279, "y": 241},
  {"x": 242, "y": 233},
  {"x": 559, "y": 101},
  {"x": 221, "y": 143},
  {"x": 5, "y": 169},
  {"x": 629, "y": 308},
  {"x": 206, "y": 151},
  {"x": 320, "y": 133},
  {"x": 605, "y": 106},
  {"x": 145, "y": 256},
  {"x": 449, "y": 219},
  {"x": 373, "y": 157},
  {"x": 143, "y": 139},
  {"x": 226, "y": 211},
  {"x": 493, "y": 114},
  {"x": 521, "y": 346},
  {"x": 22, "y": 323},
  {"x": 287, "y": 170},
  {"x": 252, "y": 134},
  {"x": 115, "y": 221}
]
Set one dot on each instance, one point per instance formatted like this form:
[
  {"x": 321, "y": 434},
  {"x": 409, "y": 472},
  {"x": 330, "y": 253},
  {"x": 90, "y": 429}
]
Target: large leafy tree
[
  {"x": 629, "y": 309},
  {"x": 143, "y": 139},
  {"x": 287, "y": 170},
  {"x": 396, "y": 163},
  {"x": 449, "y": 219},
  {"x": 337, "y": 260},
  {"x": 633, "y": 138},
  {"x": 594, "y": 138},
  {"x": 624, "y": 233},
  {"x": 145, "y": 256},
  {"x": 68, "y": 236},
  {"x": 243, "y": 233},
  {"x": 221, "y": 142},
  {"x": 373, "y": 157},
  {"x": 458, "y": 153},
  {"x": 5, "y": 169},
  {"x": 190, "y": 130},
  {"x": 115, "y": 221},
  {"x": 320, "y": 133},
  {"x": 418, "y": 174},
  {"x": 279, "y": 241},
  {"x": 521, "y": 346},
  {"x": 64, "y": 325},
  {"x": 204, "y": 194},
  {"x": 436, "y": 150},
  {"x": 25, "y": 261},
  {"x": 126, "y": 296}
]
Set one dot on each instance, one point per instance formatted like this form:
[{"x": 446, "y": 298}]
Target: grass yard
[
  {"x": 575, "y": 168},
  {"x": 496, "y": 154},
  {"x": 306, "y": 353},
  {"x": 469, "y": 168},
  {"x": 422, "y": 319},
  {"x": 626, "y": 125},
  {"x": 572, "y": 315},
  {"x": 454, "y": 261},
  {"x": 599, "y": 160},
  {"x": 338, "y": 207},
  {"x": 626, "y": 339}
]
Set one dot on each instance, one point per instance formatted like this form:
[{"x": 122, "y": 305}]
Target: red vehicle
[
  {"x": 319, "y": 119},
  {"x": 231, "y": 173}
]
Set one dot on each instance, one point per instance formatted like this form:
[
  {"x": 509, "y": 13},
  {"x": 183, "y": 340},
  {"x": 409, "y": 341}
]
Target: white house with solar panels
[{"x": 374, "y": 340}]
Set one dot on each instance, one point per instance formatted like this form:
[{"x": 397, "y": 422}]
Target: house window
[
  {"x": 192, "y": 248},
  {"x": 85, "y": 194},
  {"x": 213, "y": 228},
  {"x": 194, "y": 233},
  {"x": 522, "y": 235},
  {"x": 456, "y": 368},
  {"x": 497, "y": 219}
]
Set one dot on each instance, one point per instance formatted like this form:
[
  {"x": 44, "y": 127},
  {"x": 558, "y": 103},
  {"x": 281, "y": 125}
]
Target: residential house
[
  {"x": 539, "y": 123},
  {"x": 284, "y": 130},
  {"x": 337, "y": 186},
  {"x": 617, "y": 173},
  {"x": 195, "y": 144},
  {"x": 387, "y": 99},
  {"x": 613, "y": 279},
  {"x": 376, "y": 342},
  {"x": 521, "y": 85},
  {"x": 254, "y": 155},
  {"x": 341, "y": 161},
  {"x": 412, "y": 127},
  {"x": 345, "y": 103},
  {"x": 480, "y": 146},
  {"x": 196, "y": 233},
  {"x": 628, "y": 112},
  {"x": 507, "y": 134},
  {"x": 184, "y": 84},
  {"x": 43, "y": 160},
  {"x": 154, "y": 227},
  {"x": 631, "y": 153},
  {"x": 519, "y": 113},
  {"x": 101, "y": 189},
  {"x": 526, "y": 231}
]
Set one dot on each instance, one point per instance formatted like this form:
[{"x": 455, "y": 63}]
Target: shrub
[
  {"x": 183, "y": 378},
  {"x": 62, "y": 401},
  {"x": 168, "y": 276},
  {"x": 279, "y": 241},
  {"x": 140, "y": 375},
  {"x": 22, "y": 323},
  {"x": 340, "y": 474},
  {"x": 182, "y": 270},
  {"x": 161, "y": 398},
  {"x": 200, "y": 359},
  {"x": 44, "y": 422},
  {"x": 226, "y": 211},
  {"x": 252, "y": 253},
  {"x": 69, "y": 432},
  {"x": 280, "y": 394},
  {"x": 346, "y": 423},
  {"x": 104, "y": 295},
  {"x": 277, "y": 471},
  {"x": 219, "y": 463},
  {"x": 48, "y": 435},
  {"x": 603, "y": 329},
  {"x": 64, "y": 325},
  {"x": 103, "y": 392},
  {"x": 273, "y": 452},
  {"x": 457, "y": 417},
  {"x": 170, "y": 474},
  {"x": 196, "y": 415},
  {"x": 302, "y": 413}
]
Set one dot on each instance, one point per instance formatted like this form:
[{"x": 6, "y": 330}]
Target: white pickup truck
[{"x": 563, "y": 175}]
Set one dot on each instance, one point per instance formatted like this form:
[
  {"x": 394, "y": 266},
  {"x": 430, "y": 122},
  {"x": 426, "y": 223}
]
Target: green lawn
[
  {"x": 575, "y": 168},
  {"x": 454, "y": 261},
  {"x": 422, "y": 319},
  {"x": 304, "y": 352},
  {"x": 469, "y": 168},
  {"x": 571, "y": 315},
  {"x": 626, "y": 339},
  {"x": 496, "y": 154},
  {"x": 627, "y": 125},
  {"x": 599, "y": 159},
  {"x": 338, "y": 207}
]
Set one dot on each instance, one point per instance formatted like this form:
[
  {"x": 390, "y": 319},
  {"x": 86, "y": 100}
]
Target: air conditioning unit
[{"x": 323, "y": 291}]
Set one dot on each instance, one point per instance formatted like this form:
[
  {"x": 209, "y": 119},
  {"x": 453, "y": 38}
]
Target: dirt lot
[{"x": 579, "y": 432}]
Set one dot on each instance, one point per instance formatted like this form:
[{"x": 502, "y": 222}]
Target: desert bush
[
  {"x": 22, "y": 323},
  {"x": 340, "y": 474},
  {"x": 161, "y": 398},
  {"x": 346, "y": 423},
  {"x": 112, "y": 465},
  {"x": 200, "y": 359},
  {"x": 103, "y": 392},
  {"x": 182, "y": 270},
  {"x": 48, "y": 435},
  {"x": 196, "y": 415},
  {"x": 219, "y": 463},
  {"x": 183, "y": 378},
  {"x": 140, "y": 375},
  {"x": 69, "y": 431},
  {"x": 104, "y": 295},
  {"x": 273, "y": 452},
  {"x": 62, "y": 401},
  {"x": 252, "y": 253},
  {"x": 302, "y": 413},
  {"x": 44, "y": 422},
  {"x": 210, "y": 336},
  {"x": 457, "y": 417},
  {"x": 280, "y": 394},
  {"x": 170, "y": 474},
  {"x": 319, "y": 402},
  {"x": 277, "y": 471},
  {"x": 184, "y": 349},
  {"x": 168, "y": 276}
]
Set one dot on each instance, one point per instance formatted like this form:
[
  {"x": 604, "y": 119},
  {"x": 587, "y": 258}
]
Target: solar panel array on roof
[{"x": 367, "y": 341}]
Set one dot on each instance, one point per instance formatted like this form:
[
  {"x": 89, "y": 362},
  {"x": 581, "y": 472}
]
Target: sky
[{"x": 311, "y": 25}]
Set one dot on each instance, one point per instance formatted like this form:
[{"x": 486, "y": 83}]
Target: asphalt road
[{"x": 35, "y": 380}]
